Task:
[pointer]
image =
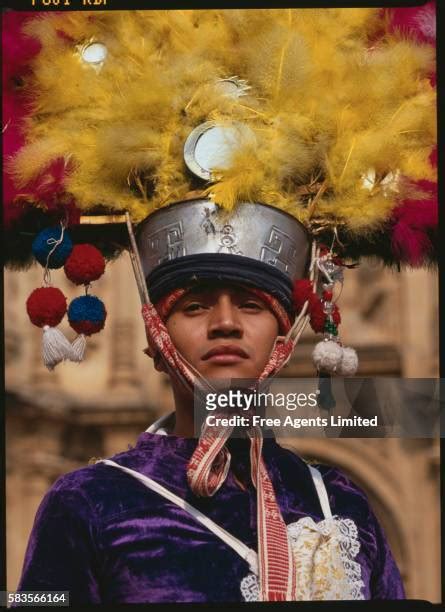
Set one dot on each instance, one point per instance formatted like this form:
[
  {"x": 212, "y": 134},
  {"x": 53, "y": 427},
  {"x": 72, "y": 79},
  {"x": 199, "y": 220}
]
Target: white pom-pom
[
  {"x": 78, "y": 348},
  {"x": 349, "y": 362},
  {"x": 55, "y": 347},
  {"x": 327, "y": 356}
]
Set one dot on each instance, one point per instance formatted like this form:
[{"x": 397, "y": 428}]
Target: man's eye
[
  {"x": 193, "y": 306},
  {"x": 251, "y": 305}
]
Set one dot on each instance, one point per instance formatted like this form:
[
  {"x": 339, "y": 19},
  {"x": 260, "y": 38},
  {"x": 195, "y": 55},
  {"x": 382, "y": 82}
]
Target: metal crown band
[{"x": 252, "y": 230}]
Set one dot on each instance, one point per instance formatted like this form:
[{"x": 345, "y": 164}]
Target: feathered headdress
[
  {"x": 340, "y": 107},
  {"x": 330, "y": 118}
]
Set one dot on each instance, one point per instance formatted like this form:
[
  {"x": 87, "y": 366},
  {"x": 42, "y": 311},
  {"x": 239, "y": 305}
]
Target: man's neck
[{"x": 184, "y": 416}]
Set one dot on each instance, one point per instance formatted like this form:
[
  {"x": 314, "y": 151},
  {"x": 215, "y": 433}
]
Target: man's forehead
[{"x": 215, "y": 288}]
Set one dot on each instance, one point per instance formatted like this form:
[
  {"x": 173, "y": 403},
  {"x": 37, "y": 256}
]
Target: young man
[
  {"x": 107, "y": 534},
  {"x": 317, "y": 141}
]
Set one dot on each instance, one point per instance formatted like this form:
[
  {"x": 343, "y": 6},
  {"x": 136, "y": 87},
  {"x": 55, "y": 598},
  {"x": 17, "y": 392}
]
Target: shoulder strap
[
  {"x": 244, "y": 551},
  {"x": 161, "y": 425},
  {"x": 249, "y": 555},
  {"x": 320, "y": 487}
]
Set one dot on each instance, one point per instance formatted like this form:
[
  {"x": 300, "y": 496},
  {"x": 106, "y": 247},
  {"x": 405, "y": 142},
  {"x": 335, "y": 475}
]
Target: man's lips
[{"x": 227, "y": 354}]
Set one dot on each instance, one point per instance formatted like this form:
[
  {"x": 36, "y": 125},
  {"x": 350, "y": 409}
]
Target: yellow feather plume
[{"x": 324, "y": 105}]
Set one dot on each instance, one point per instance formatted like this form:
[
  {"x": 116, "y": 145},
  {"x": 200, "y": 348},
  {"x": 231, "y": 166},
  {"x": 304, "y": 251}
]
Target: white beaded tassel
[
  {"x": 55, "y": 347},
  {"x": 327, "y": 356},
  {"x": 349, "y": 362},
  {"x": 78, "y": 348}
]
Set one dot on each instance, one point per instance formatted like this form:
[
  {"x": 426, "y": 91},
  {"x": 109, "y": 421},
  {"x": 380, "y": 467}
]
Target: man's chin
[{"x": 229, "y": 372}]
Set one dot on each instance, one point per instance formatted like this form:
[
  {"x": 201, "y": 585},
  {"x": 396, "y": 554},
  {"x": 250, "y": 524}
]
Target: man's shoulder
[
  {"x": 342, "y": 489},
  {"x": 336, "y": 478},
  {"x": 94, "y": 486},
  {"x": 95, "y": 469},
  {"x": 346, "y": 497}
]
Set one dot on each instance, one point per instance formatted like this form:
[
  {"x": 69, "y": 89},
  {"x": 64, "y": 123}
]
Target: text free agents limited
[{"x": 289, "y": 421}]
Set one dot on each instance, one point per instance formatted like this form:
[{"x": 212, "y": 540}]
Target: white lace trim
[
  {"x": 343, "y": 542},
  {"x": 250, "y": 589},
  {"x": 350, "y": 547},
  {"x": 345, "y": 532}
]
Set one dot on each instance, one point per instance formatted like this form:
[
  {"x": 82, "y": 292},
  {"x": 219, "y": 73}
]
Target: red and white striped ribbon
[
  {"x": 206, "y": 472},
  {"x": 276, "y": 564}
]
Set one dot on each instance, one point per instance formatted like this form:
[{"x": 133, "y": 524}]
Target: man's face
[{"x": 224, "y": 332}]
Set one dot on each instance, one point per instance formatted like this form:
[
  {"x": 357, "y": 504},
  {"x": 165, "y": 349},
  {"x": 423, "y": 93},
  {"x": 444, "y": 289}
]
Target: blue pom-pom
[
  {"x": 44, "y": 243},
  {"x": 87, "y": 314}
]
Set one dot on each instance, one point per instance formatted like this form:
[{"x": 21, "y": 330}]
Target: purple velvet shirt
[{"x": 104, "y": 537}]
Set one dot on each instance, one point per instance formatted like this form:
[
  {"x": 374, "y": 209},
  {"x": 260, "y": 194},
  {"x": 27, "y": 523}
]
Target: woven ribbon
[{"x": 206, "y": 472}]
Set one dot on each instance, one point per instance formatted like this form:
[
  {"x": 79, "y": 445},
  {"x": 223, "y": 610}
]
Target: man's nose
[{"x": 224, "y": 318}]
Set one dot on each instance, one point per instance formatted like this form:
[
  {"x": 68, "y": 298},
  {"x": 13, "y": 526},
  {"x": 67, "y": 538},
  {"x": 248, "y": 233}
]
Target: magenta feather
[
  {"x": 18, "y": 50},
  {"x": 415, "y": 225},
  {"x": 48, "y": 187},
  {"x": 417, "y": 21}
]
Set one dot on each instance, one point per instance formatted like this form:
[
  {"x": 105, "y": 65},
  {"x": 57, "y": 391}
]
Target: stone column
[
  {"x": 123, "y": 375},
  {"x": 419, "y": 323}
]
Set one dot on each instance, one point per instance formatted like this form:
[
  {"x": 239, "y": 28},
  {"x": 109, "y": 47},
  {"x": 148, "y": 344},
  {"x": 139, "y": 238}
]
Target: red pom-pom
[
  {"x": 46, "y": 306},
  {"x": 327, "y": 295},
  {"x": 313, "y": 300},
  {"x": 302, "y": 292},
  {"x": 318, "y": 316},
  {"x": 85, "y": 264},
  {"x": 336, "y": 315}
]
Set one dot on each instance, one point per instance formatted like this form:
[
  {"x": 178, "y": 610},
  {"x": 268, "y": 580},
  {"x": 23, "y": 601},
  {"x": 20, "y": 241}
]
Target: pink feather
[
  {"x": 414, "y": 224},
  {"x": 47, "y": 189},
  {"x": 18, "y": 49},
  {"x": 418, "y": 21}
]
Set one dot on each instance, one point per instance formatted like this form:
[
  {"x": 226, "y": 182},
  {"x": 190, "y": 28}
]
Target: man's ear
[{"x": 159, "y": 363}]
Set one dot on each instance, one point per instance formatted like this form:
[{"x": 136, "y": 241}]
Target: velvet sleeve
[
  {"x": 386, "y": 581},
  {"x": 379, "y": 569},
  {"x": 61, "y": 554}
]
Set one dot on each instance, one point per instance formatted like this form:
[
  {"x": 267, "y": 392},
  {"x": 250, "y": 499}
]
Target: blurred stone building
[{"x": 56, "y": 421}]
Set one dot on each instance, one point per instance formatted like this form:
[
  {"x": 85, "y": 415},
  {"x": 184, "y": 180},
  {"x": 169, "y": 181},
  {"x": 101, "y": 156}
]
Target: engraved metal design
[
  {"x": 228, "y": 241},
  {"x": 167, "y": 242},
  {"x": 279, "y": 250},
  {"x": 200, "y": 226},
  {"x": 206, "y": 222}
]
